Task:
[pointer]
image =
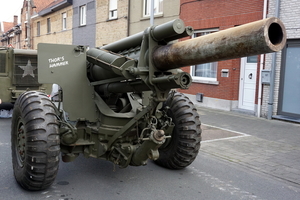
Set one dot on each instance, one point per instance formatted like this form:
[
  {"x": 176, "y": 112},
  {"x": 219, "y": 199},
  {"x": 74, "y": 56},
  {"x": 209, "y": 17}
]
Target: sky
[{"x": 9, "y": 8}]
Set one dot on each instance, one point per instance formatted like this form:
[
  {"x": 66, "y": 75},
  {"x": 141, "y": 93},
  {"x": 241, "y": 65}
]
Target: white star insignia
[{"x": 28, "y": 69}]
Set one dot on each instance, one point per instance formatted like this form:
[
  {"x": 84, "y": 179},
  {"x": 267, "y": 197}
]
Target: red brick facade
[{"x": 221, "y": 14}]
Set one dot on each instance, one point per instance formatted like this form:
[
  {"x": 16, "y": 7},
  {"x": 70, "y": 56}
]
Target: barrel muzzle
[{"x": 259, "y": 37}]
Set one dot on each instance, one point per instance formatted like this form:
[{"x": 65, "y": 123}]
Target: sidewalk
[{"x": 268, "y": 146}]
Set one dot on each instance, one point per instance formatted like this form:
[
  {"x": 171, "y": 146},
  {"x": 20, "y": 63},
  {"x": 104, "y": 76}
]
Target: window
[
  {"x": 207, "y": 71},
  {"x": 26, "y": 30},
  {"x": 158, "y": 7},
  {"x": 113, "y": 12},
  {"x": 64, "y": 21},
  {"x": 82, "y": 14},
  {"x": 38, "y": 28},
  {"x": 48, "y": 25}
]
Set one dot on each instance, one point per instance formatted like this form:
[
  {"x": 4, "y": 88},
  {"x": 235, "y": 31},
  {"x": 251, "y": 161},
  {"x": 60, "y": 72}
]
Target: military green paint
[
  {"x": 62, "y": 65},
  {"x": 113, "y": 93},
  {"x": 18, "y": 73}
]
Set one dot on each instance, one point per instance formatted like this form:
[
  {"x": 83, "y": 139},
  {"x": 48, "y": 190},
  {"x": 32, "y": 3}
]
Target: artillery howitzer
[{"x": 117, "y": 102}]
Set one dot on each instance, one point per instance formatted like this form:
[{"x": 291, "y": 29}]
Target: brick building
[
  {"x": 112, "y": 21},
  {"x": 139, "y": 17},
  {"x": 84, "y": 22},
  {"x": 10, "y": 33},
  {"x": 281, "y": 98},
  {"x": 30, "y": 9},
  {"x": 53, "y": 24},
  {"x": 73, "y": 22},
  {"x": 223, "y": 84},
  {"x": 117, "y": 19}
]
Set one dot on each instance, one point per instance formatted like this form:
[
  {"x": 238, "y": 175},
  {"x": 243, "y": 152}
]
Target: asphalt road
[{"x": 207, "y": 178}]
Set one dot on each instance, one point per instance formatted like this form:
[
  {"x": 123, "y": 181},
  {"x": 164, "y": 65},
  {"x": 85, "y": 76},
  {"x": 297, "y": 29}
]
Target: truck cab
[{"x": 18, "y": 73}]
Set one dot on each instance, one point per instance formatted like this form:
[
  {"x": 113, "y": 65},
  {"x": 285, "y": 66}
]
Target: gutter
[
  {"x": 262, "y": 61},
  {"x": 128, "y": 18},
  {"x": 273, "y": 71}
]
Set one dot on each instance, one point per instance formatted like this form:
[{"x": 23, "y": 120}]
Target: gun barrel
[
  {"x": 260, "y": 37},
  {"x": 160, "y": 32}
]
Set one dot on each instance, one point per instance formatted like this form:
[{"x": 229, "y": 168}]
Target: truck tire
[
  {"x": 184, "y": 145},
  {"x": 35, "y": 141}
]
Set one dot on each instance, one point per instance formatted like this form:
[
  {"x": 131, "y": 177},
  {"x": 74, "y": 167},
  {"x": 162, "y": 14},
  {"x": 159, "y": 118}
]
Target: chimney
[{"x": 15, "y": 20}]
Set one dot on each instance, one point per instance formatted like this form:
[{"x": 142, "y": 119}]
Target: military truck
[
  {"x": 18, "y": 73},
  {"x": 119, "y": 102}
]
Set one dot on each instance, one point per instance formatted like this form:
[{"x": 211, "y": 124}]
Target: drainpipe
[
  {"x": 262, "y": 60},
  {"x": 152, "y": 13},
  {"x": 128, "y": 18},
  {"x": 273, "y": 71},
  {"x": 29, "y": 24}
]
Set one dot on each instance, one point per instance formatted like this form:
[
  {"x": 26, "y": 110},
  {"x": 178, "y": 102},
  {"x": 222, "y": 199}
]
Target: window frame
[
  {"x": 147, "y": 6},
  {"x": 208, "y": 80},
  {"x": 113, "y": 9},
  {"x": 48, "y": 25},
  {"x": 82, "y": 15},
  {"x": 38, "y": 28},
  {"x": 64, "y": 21}
]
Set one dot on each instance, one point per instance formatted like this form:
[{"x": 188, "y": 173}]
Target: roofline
[{"x": 55, "y": 7}]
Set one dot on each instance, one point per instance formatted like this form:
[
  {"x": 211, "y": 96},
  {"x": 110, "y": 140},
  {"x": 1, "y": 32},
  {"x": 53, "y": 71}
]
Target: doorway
[
  {"x": 289, "y": 93},
  {"x": 248, "y": 77}
]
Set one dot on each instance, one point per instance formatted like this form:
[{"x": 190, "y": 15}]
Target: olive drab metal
[
  {"x": 117, "y": 102},
  {"x": 18, "y": 73}
]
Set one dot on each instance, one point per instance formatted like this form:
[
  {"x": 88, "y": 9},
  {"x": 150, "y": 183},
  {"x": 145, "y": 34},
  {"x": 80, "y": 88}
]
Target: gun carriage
[{"x": 118, "y": 102}]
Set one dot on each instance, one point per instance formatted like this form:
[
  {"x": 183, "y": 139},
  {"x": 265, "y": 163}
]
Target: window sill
[
  {"x": 206, "y": 82},
  {"x": 112, "y": 19},
  {"x": 155, "y": 16}
]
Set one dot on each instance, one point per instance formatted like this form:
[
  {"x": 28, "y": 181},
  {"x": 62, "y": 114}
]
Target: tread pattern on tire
[
  {"x": 36, "y": 113},
  {"x": 184, "y": 146}
]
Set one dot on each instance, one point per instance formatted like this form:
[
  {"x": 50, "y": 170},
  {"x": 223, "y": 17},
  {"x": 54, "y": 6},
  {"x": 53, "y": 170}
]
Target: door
[
  {"x": 248, "y": 83},
  {"x": 289, "y": 92}
]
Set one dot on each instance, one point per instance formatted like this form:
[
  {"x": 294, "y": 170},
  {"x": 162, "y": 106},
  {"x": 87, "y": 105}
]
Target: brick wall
[
  {"x": 57, "y": 35},
  {"x": 109, "y": 31},
  {"x": 22, "y": 36},
  {"x": 139, "y": 23},
  {"x": 222, "y": 15}
]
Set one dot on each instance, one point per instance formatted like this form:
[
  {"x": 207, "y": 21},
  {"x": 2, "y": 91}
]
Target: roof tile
[{"x": 7, "y": 26}]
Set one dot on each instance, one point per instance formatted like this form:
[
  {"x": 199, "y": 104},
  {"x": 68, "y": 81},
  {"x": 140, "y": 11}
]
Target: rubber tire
[
  {"x": 35, "y": 156},
  {"x": 184, "y": 146}
]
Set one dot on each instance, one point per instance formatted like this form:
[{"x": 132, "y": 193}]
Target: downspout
[
  {"x": 128, "y": 18},
  {"x": 29, "y": 24},
  {"x": 273, "y": 71},
  {"x": 152, "y": 13},
  {"x": 262, "y": 61}
]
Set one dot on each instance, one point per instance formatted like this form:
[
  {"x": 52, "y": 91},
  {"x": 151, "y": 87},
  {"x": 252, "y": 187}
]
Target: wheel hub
[{"x": 21, "y": 145}]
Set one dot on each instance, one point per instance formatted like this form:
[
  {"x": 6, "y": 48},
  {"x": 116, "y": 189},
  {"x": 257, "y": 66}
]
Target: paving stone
[{"x": 273, "y": 148}]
